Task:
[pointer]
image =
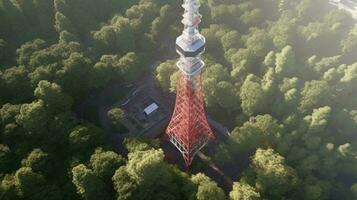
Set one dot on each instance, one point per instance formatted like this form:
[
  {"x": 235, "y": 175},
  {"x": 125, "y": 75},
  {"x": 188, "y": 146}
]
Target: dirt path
[{"x": 227, "y": 181}]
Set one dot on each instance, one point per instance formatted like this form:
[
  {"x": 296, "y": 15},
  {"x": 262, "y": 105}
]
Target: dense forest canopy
[{"x": 281, "y": 75}]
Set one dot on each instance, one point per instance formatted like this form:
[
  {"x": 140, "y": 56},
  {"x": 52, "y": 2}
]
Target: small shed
[{"x": 151, "y": 108}]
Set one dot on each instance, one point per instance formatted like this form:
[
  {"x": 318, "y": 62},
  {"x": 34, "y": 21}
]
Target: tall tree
[
  {"x": 252, "y": 96},
  {"x": 34, "y": 118},
  {"x": 285, "y": 62},
  {"x": 273, "y": 177},
  {"x": 314, "y": 94},
  {"x": 207, "y": 189},
  {"x": 53, "y": 97},
  {"x": 105, "y": 163},
  {"x": 88, "y": 185},
  {"x": 163, "y": 73},
  {"x": 62, "y": 23},
  {"x": 243, "y": 191},
  {"x": 39, "y": 162}
]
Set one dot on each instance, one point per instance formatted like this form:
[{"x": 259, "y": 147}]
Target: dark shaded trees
[
  {"x": 52, "y": 95},
  {"x": 6, "y": 158},
  {"x": 116, "y": 37},
  {"x": 83, "y": 138}
]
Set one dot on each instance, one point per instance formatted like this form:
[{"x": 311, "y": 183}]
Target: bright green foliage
[
  {"x": 146, "y": 176},
  {"x": 104, "y": 163},
  {"x": 314, "y": 94},
  {"x": 285, "y": 62},
  {"x": 283, "y": 32},
  {"x": 218, "y": 91},
  {"x": 258, "y": 42},
  {"x": 327, "y": 63},
  {"x": 345, "y": 149},
  {"x": 53, "y": 96},
  {"x": 225, "y": 94},
  {"x": 88, "y": 185},
  {"x": 174, "y": 80},
  {"x": 39, "y": 162},
  {"x": 140, "y": 144},
  {"x": 207, "y": 189},
  {"x": 8, "y": 188},
  {"x": 8, "y": 113},
  {"x": 243, "y": 191},
  {"x": 318, "y": 120},
  {"x": 231, "y": 40},
  {"x": 139, "y": 161},
  {"x": 288, "y": 84},
  {"x": 33, "y": 117},
  {"x": 273, "y": 177},
  {"x": 261, "y": 130},
  {"x": 252, "y": 96},
  {"x": 164, "y": 72},
  {"x": 31, "y": 185},
  {"x": 215, "y": 78},
  {"x": 124, "y": 184},
  {"x": 76, "y": 67},
  {"x": 27, "y": 49},
  {"x": 269, "y": 60},
  {"x": 350, "y": 73},
  {"x": 116, "y": 117},
  {"x": 63, "y": 23}
]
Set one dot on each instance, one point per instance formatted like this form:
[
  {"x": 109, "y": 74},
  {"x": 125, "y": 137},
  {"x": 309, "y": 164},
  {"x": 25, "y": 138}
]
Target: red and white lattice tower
[{"x": 188, "y": 129}]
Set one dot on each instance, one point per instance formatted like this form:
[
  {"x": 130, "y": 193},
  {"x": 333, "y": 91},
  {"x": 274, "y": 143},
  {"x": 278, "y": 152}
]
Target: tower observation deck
[{"x": 188, "y": 129}]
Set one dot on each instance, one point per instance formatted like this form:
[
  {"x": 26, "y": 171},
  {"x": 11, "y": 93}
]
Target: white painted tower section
[{"x": 190, "y": 45}]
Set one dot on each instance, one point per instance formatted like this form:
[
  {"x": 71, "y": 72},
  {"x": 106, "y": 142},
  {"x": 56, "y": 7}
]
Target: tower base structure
[{"x": 188, "y": 129}]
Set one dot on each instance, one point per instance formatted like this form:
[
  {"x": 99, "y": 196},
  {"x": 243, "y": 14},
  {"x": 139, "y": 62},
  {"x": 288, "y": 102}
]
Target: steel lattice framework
[{"x": 188, "y": 129}]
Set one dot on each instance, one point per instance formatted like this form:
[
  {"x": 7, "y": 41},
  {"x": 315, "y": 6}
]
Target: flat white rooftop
[{"x": 151, "y": 108}]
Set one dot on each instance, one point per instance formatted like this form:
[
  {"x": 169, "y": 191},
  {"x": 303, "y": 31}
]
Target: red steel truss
[{"x": 188, "y": 129}]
